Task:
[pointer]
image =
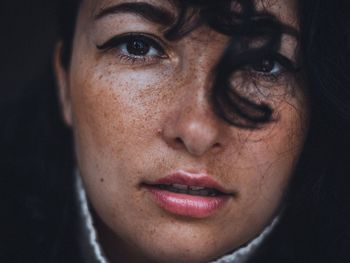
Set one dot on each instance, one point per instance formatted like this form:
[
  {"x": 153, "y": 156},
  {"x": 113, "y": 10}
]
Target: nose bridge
[
  {"x": 198, "y": 81},
  {"x": 193, "y": 126}
]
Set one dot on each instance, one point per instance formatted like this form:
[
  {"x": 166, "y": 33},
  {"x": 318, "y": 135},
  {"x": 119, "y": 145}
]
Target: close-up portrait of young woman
[{"x": 178, "y": 131}]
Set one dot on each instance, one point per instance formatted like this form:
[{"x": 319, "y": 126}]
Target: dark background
[
  {"x": 27, "y": 32},
  {"x": 33, "y": 215}
]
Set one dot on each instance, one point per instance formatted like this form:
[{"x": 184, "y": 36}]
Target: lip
[{"x": 184, "y": 204}]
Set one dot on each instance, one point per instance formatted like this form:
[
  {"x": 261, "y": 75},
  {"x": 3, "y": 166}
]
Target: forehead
[{"x": 283, "y": 10}]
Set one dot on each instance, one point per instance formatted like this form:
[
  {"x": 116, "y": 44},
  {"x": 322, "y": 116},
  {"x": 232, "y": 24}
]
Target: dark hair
[{"x": 315, "y": 224}]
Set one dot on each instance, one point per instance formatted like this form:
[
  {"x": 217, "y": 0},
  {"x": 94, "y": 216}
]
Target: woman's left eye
[
  {"x": 267, "y": 67},
  {"x": 135, "y": 48}
]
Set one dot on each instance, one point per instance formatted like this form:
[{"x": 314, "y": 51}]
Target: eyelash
[{"x": 121, "y": 45}]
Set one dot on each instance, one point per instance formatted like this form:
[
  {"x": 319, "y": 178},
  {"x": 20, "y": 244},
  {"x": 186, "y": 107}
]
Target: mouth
[
  {"x": 194, "y": 195},
  {"x": 188, "y": 189}
]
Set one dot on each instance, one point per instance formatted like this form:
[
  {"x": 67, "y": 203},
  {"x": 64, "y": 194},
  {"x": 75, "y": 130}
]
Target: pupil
[
  {"x": 265, "y": 66},
  {"x": 138, "y": 47}
]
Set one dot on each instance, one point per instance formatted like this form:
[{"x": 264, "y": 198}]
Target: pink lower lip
[{"x": 187, "y": 205}]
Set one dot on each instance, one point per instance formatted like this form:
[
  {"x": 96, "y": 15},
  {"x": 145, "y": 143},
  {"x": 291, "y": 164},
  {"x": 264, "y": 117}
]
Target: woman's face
[{"x": 144, "y": 128}]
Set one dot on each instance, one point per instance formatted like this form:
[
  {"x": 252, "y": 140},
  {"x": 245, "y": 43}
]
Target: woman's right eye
[{"x": 135, "y": 48}]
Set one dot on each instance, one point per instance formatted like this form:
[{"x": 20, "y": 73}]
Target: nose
[{"x": 193, "y": 126}]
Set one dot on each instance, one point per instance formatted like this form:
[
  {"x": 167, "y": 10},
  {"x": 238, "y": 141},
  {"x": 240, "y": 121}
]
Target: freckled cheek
[
  {"x": 108, "y": 101},
  {"x": 117, "y": 115},
  {"x": 269, "y": 157}
]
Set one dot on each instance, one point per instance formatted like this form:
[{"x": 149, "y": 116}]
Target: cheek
[
  {"x": 116, "y": 115},
  {"x": 268, "y": 159},
  {"x": 115, "y": 118}
]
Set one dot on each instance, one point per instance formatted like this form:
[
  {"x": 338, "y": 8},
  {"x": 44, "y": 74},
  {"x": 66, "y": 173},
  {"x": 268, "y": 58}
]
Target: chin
[
  {"x": 184, "y": 251},
  {"x": 183, "y": 256}
]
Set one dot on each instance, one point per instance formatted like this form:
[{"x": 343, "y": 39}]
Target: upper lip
[{"x": 191, "y": 179}]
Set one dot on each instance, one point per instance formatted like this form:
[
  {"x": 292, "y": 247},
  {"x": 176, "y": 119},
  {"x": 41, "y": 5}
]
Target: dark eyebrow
[
  {"x": 150, "y": 12},
  {"x": 291, "y": 31}
]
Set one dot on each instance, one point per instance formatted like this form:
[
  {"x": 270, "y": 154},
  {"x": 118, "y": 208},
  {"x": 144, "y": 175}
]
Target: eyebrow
[
  {"x": 150, "y": 12},
  {"x": 291, "y": 31}
]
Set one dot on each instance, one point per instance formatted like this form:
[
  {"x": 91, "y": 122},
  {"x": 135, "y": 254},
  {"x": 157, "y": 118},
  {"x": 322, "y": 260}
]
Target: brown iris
[{"x": 138, "y": 47}]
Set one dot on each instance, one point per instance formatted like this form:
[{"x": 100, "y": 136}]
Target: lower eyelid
[
  {"x": 134, "y": 60},
  {"x": 126, "y": 59}
]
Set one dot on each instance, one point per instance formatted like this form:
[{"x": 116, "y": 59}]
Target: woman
[{"x": 202, "y": 132}]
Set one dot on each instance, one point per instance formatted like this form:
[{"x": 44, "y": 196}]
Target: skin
[{"x": 144, "y": 120}]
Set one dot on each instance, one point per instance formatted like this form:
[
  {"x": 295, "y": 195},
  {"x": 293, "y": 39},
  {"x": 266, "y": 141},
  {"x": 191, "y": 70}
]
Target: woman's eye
[
  {"x": 135, "y": 48},
  {"x": 267, "y": 67},
  {"x": 140, "y": 47}
]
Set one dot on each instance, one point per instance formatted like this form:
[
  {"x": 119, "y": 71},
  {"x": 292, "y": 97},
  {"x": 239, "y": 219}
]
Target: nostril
[
  {"x": 178, "y": 141},
  {"x": 216, "y": 145}
]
